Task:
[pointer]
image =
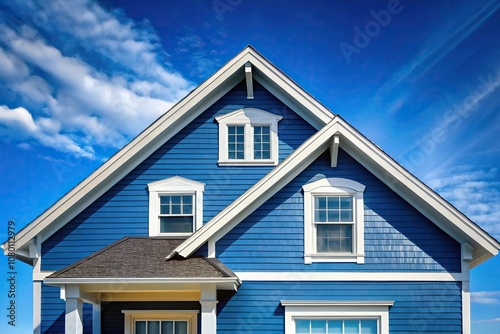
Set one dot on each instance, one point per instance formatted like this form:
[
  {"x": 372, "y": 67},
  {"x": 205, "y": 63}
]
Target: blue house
[{"x": 249, "y": 207}]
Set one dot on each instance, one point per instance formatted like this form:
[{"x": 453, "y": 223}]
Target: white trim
[
  {"x": 96, "y": 316},
  {"x": 208, "y": 301},
  {"x": 266, "y": 187},
  {"x": 37, "y": 307},
  {"x": 73, "y": 316},
  {"x": 425, "y": 200},
  {"x": 334, "y": 151},
  {"x": 168, "y": 125},
  {"x": 174, "y": 185},
  {"x": 249, "y": 80},
  {"x": 181, "y": 315},
  {"x": 352, "y": 276},
  {"x": 337, "y": 187},
  {"x": 211, "y": 249},
  {"x": 41, "y": 275},
  {"x": 248, "y": 117},
  {"x": 337, "y": 310},
  {"x": 130, "y": 280}
]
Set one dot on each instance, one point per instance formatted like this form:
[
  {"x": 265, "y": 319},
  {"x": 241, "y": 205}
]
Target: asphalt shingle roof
[{"x": 143, "y": 257}]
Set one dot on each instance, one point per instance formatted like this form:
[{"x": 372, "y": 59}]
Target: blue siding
[
  {"x": 192, "y": 153},
  {"x": 53, "y": 309},
  {"x": 418, "y": 307},
  {"x": 397, "y": 237}
]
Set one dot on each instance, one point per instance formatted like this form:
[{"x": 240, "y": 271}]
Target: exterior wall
[
  {"x": 193, "y": 154},
  {"x": 397, "y": 237},
  {"x": 53, "y": 310},
  {"x": 427, "y": 307},
  {"x": 112, "y": 318}
]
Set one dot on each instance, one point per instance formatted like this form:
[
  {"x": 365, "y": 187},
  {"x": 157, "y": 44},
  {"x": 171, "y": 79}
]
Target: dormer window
[
  {"x": 175, "y": 207},
  {"x": 248, "y": 136}
]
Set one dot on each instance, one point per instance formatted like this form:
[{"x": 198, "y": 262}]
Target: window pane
[
  {"x": 333, "y": 216},
  {"x": 333, "y": 202},
  {"x": 176, "y": 224},
  {"x": 369, "y": 326},
  {"x": 335, "y": 326},
  {"x": 334, "y": 238},
  {"x": 181, "y": 327},
  {"x": 302, "y": 326},
  {"x": 346, "y": 216},
  {"x": 153, "y": 327},
  {"x": 140, "y": 327},
  {"x": 318, "y": 326},
  {"x": 262, "y": 144},
  {"x": 346, "y": 202},
  {"x": 167, "y": 327},
  {"x": 351, "y": 326},
  {"x": 235, "y": 142}
]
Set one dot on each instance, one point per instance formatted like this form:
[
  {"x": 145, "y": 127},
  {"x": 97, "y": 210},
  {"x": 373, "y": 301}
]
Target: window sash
[
  {"x": 261, "y": 142},
  {"x": 176, "y": 213},
  {"x": 337, "y": 326},
  {"x": 236, "y": 142},
  {"x": 157, "y": 326}
]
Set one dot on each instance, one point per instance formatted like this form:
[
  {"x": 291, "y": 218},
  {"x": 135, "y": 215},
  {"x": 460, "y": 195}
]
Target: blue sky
[{"x": 79, "y": 79}]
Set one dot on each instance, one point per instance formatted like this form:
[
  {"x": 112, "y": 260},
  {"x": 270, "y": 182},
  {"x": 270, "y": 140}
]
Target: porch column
[
  {"x": 208, "y": 303},
  {"x": 74, "y": 316},
  {"x": 74, "y": 310}
]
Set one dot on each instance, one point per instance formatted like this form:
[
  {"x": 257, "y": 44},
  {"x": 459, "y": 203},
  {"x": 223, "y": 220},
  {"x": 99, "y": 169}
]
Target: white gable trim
[
  {"x": 169, "y": 124},
  {"x": 424, "y": 199}
]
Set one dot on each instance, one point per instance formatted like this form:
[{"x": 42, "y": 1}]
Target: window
[
  {"x": 160, "y": 322},
  {"x": 161, "y": 327},
  {"x": 333, "y": 221},
  {"x": 175, "y": 206},
  {"x": 337, "y": 317},
  {"x": 248, "y": 137},
  {"x": 337, "y": 326}
]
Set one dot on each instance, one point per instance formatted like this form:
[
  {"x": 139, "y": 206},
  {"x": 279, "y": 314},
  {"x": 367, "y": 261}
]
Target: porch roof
[{"x": 143, "y": 258}]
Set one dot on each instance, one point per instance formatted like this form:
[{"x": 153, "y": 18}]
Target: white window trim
[
  {"x": 175, "y": 185},
  {"x": 336, "y": 310},
  {"x": 248, "y": 117},
  {"x": 335, "y": 187},
  {"x": 181, "y": 315}
]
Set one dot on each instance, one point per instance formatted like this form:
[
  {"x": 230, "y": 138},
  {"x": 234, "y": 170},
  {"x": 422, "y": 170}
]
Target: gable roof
[
  {"x": 143, "y": 260},
  {"x": 415, "y": 192},
  {"x": 164, "y": 128}
]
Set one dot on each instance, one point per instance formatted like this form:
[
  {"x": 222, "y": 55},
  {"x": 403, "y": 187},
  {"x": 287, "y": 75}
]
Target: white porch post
[
  {"x": 208, "y": 303},
  {"x": 96, "y": 317},
  {"x": 74, "y": 311},
  {"x": 74, "y": 316}
]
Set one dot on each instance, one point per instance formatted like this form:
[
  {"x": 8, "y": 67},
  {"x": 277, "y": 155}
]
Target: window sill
[
  {"x": 247, "y": 163},
  {"x": 339, "y": 257}
]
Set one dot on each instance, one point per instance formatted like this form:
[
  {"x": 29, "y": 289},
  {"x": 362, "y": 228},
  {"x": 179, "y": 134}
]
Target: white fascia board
[
  {"x": 288, "y": 169},
  {"x": 337, "y": 302},
  {"x": 360, "y": 276},
  {"x": 424, "y": 199},
  {"x": 164, "y": 128},
  {"x": 149, "y": 280},
  {"x": 129, "y": 157}
]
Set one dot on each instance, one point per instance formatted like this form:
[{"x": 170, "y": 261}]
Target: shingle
[{"x": 143, "y": 257}]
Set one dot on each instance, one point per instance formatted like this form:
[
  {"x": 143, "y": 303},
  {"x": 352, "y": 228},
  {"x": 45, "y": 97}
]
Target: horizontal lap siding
[
  {"x": 397, "y": 237},
  {"x": 426, "y": 307},
  {"x": 193, "y": 154}
]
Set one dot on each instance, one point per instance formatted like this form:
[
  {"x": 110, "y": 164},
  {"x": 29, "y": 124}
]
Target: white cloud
[
  {"x": 64, "y": 101},
  {"x": 473, "y": 191},
  {"x": 487, "y": 320},
  {"x": 485, "y": 297}
]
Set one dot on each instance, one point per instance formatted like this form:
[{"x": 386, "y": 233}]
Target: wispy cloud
[
  {"x": 487, "y": 321},
  {"x": 100, "y": 85},
  {"x": 440, "y": 44},
  {"x": 473, "y": 191},
  {"x": 203, "y": 60},
  {"x": 485, "y": 297}
]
